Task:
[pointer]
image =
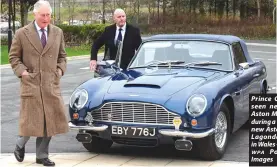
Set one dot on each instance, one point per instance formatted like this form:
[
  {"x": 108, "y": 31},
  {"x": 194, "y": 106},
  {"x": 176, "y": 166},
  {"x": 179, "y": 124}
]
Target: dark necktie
[
  {"x": 43, "y": 38},
  {"x": 119, "y": 37}
]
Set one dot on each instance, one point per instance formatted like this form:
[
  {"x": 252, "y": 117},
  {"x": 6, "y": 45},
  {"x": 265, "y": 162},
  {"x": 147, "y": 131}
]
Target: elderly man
[
  {"x": 38, "y": 58},
  {"x": 120, "y": 31}
]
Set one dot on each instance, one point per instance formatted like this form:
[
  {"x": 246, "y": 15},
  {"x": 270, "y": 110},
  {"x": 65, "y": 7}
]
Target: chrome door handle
[
  {"x": 237, "y": 93},
  {"x": 256, "y": 75}
]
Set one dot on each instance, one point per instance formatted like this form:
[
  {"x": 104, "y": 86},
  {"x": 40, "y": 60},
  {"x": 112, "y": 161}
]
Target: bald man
[{"x": 119, "y": 31}]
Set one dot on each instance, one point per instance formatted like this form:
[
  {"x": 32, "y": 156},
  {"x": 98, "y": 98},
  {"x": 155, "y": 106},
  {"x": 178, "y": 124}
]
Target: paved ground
[
  {"x": 77, "y": 73},
  {"x": 89, "y": 160}
]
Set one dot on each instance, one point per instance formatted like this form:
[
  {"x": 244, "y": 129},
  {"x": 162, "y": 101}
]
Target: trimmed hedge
[
  {"x": 79, "y": 35},
  {"x": 76, "y": 35},
  {"x": 87, "y": 34}
]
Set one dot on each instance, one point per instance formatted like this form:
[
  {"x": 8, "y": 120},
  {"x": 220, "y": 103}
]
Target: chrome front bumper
[
  {"x": 92, "y": 128},
  {"x": 177, "y": 133},
  {"x": 165, "y": 132}
]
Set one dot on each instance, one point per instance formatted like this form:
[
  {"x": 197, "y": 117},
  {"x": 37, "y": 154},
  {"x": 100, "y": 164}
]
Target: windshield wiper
[
  {"x": 157, "y": 63},
  {"x": 203, "y": 63},
  {"x": 177, "y": 63},
  {"x": 206, "y": 63}
]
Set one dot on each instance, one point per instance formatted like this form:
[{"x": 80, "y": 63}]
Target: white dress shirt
[
  {"x": 122, "y": 32},
  {"x": 40, "y": 32}
]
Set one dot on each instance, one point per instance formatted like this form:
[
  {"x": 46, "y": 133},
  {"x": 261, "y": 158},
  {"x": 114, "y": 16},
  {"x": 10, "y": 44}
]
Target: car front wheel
[
  {"x": 98, "y": 145},
  {"x": 213, "y": 147},
  {"x": 264, "y": 89}
]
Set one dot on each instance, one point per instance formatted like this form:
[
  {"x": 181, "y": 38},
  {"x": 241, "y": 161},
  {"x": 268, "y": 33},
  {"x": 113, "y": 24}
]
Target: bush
[
  {"x": 246, "y": 29},
  {"x": 79, "y": 35}
]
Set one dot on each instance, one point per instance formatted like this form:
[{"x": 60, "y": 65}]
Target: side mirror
[
  {"x": 110, "y": 62},
  {"x": 113, "y": 65},
  {"x": 244, "y": 65},
  {"x": 106, "y": 68}
]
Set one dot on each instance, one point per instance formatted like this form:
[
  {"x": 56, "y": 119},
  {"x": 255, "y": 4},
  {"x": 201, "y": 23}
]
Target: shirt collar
[
  {"x": 38, "y": 28},
  {"x": 123, "y": 28}
]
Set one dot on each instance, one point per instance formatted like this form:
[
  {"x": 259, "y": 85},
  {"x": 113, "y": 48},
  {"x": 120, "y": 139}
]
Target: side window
[{"x": 238, "y": 54}]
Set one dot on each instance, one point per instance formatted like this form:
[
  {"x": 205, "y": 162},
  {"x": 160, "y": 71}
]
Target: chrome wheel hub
[{"x": 220, "y": 130}]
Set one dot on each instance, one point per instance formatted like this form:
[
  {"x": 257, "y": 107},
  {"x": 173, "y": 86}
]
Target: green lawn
[
  {"x": 77, "y": 51},
  {"x": 74, "y": 51},
  {"x": 4, "y": 54}
]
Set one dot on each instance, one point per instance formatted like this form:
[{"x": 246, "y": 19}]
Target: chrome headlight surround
[
  {"x": 196, "y": 105},
  {"x": 82, "y": 96}
]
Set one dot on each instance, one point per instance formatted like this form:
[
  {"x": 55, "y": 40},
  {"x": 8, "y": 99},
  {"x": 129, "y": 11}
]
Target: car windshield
[{"x": 183, "y": 53}]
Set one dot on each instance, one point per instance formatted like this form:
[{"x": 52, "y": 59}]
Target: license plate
[{"x": 133, "y": 131}]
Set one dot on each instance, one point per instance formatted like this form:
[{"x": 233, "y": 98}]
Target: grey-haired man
[{"x": 38, "y": 58}]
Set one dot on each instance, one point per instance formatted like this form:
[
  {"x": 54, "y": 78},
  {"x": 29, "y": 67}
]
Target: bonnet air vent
[{"x": 142, "y": 85}]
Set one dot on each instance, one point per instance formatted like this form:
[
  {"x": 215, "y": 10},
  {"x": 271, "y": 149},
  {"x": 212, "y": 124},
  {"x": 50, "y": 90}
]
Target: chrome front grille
[{"x": 130, "y": 112}]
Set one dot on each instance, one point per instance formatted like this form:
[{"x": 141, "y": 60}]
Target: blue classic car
[{"x": 191, "y": 91}]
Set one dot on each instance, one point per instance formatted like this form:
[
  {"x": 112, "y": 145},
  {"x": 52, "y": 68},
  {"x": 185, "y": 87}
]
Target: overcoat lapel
[
  {"x": 33, "y": 37},
  {"x": 50, "y": 39}
]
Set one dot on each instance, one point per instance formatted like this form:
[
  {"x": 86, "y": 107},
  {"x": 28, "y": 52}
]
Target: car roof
[
  {"x": 209, "y": 37},
  {"x": 230, "y": 39}
]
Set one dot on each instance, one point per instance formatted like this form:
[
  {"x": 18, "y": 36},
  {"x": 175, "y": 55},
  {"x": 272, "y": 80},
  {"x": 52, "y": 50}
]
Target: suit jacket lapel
[
  {"x": 50, "y": 39},
  {"x": 113, "y": 32},
  {"x": 126, "y": 34},
  {"x": 33, "y": 37}
]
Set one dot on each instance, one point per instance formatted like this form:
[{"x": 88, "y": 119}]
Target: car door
[
  {"x": 259, "y": 74},
  {"x": 245, "y": 80}
]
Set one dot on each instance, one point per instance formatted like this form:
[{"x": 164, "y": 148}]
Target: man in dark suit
[{"x": 120, "y": 31}]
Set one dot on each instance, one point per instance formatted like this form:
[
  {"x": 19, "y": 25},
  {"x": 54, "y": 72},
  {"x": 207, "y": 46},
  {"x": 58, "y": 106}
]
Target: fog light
[
  {"x": 193, "y": 122},
  {"x": 75, "y": 116},
  {"x": 177, "y": 122}
]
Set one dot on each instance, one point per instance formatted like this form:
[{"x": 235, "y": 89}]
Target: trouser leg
[
  {"x": 42, "y": 145},
  {"x": 22, "y": 140}
]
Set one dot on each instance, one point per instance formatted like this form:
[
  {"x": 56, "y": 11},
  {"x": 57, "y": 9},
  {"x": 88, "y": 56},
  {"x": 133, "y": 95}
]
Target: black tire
[
  {"x": 246, "y": 125},
  {"x": 207, "y": 148},
  {"x": 264, "y": 89},
  {"x": 98, "y": 145}
]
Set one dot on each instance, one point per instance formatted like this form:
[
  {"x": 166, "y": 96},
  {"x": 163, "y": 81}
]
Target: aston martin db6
[{"x": 188, "y": 90}]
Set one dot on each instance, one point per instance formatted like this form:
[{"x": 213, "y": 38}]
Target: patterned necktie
[
  {"x": 119, "y": 37},
  {"x": 43, "y": 38}
]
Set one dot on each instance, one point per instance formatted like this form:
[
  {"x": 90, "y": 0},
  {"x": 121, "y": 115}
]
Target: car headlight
[
  {"x": 196, "y": 105},
  {"x": 78, "y": 99}
]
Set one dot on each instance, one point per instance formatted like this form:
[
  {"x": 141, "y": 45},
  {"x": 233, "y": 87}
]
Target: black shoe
[
  {"x": 19, "y": 153},
  {"x": 45, "y": 162}
]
